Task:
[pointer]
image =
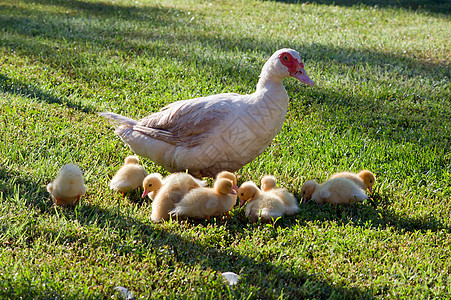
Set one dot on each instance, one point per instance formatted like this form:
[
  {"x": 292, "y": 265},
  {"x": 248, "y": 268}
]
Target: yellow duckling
[
  {"x": 129, "y": 177},
  {"x": 334, "y": 191},
  {"x": 268, "y": 184},
  {"x": 152, "y": 184},
  {"x": 364, "y": 179},
  {"x": 203, "y": 203},
  {"x": 68, "y": 186},
  {"x": 268, "y": 206},
  {"x": 171, "y": 190}
]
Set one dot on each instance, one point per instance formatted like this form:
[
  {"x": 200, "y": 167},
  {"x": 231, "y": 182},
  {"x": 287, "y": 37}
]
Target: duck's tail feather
[{"x": 119, "y": 119}]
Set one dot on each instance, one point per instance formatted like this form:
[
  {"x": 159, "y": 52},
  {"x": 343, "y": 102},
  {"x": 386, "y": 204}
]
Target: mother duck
[{"x": 210, "y": 134}]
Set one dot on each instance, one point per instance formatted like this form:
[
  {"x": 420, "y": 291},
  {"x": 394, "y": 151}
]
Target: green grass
[{"x": 381, "y": 102}]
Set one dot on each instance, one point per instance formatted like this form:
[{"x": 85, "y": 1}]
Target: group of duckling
[{"x": 181, "y": 195}]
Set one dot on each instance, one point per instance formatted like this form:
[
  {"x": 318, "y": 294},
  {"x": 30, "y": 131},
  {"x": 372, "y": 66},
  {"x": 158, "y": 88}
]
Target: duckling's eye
[
  {"x": 285, "y": 58},
  {"x": 150, "y": 185},
  {"x": 242, "y": 194}
]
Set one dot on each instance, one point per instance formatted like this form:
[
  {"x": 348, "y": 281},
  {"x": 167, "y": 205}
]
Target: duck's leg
[
  {"x": 197, "y": 174},
  {"x": 78, "y": 199}
]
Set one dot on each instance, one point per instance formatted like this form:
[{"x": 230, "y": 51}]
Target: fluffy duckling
[
  {"x": 172, "y": 190},
  {"x": 268, "y": 184},
  {"x": 364, "y": 179},
  {"x": 205, "y": 202},
  {"x": 230, "y": 176},
  {"x": 68, "y": 186},
  {"x": 233, "y": 178},
  {"x": 129, "y": 177},
  {"x": 334, "y": 191},
  {"x": 265, "y": 205},
  {"x": 152, "y": 184}
]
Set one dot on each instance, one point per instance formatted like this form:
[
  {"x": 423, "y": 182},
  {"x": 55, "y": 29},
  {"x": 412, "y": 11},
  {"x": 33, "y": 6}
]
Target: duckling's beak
[
  {"x": 235, "y": 187},
  {"x": 242, "y": 202},
  {"x": 233, "y": 192},
  {"x": 370, "y": 189},
  {"x": 145, "y": 194}
]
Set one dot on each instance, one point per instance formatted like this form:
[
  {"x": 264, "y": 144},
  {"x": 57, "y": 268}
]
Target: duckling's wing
[
  {"x": 187, "y": 121},
  {"x": 324, "y": 193},
  {"x": 212, "y": 203}
]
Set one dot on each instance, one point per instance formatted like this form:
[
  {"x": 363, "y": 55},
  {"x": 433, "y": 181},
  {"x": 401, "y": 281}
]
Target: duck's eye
[
  {"x": 150, "y": 185},
  {"x": 242, "y": 194},
  {"x": 285, "y": 58}
]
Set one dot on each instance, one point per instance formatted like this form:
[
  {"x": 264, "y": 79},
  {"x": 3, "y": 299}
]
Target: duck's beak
[
  {"x": 302, "y": 76},
  {"x": 144, "y": 194},
  {"x": 235, "y": 187},
  {"x": 242, "y": 202},
  {"x": 233, "y": 192},
  {"x": 370, "y": 189}
]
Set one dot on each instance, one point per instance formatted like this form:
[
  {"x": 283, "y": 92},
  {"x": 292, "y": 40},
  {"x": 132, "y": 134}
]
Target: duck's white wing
[{"x": 187, "y": 122}]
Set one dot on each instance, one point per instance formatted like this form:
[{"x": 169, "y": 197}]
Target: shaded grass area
[
  {"x": 435, "y": 6},
  {"x": 381, "y": 102}
]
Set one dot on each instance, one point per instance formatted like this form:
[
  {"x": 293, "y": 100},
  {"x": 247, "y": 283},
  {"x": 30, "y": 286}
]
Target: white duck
[{"x": 219, "y": 132}]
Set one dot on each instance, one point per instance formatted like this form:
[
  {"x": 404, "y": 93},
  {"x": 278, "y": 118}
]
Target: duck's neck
[
  {"x": 257, "y": 194},
  {"x": 271, "y": 90}
]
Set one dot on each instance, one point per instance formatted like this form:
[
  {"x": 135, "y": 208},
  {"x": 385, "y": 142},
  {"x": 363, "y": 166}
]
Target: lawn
[{"x": 381, "y": 102}]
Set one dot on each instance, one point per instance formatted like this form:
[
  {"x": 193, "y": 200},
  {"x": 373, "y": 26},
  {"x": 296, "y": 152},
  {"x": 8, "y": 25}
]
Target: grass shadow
[
  {"x": 18, "y": 88},
  {"x": 292, "y": 282},
  {"x": 29, "y": 23},
  {"x": 57, "y": 39},
  {"x": 375, "y": 213},
  {"x": 434, "y": 6},
  {"x": 28, "y": 32},
  {"x": 15, "y": 186},
  {"x": 272, "y": 280}
]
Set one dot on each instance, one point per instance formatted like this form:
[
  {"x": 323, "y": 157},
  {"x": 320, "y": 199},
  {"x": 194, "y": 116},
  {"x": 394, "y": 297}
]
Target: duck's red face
[{"x": 295, "y": 67}]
